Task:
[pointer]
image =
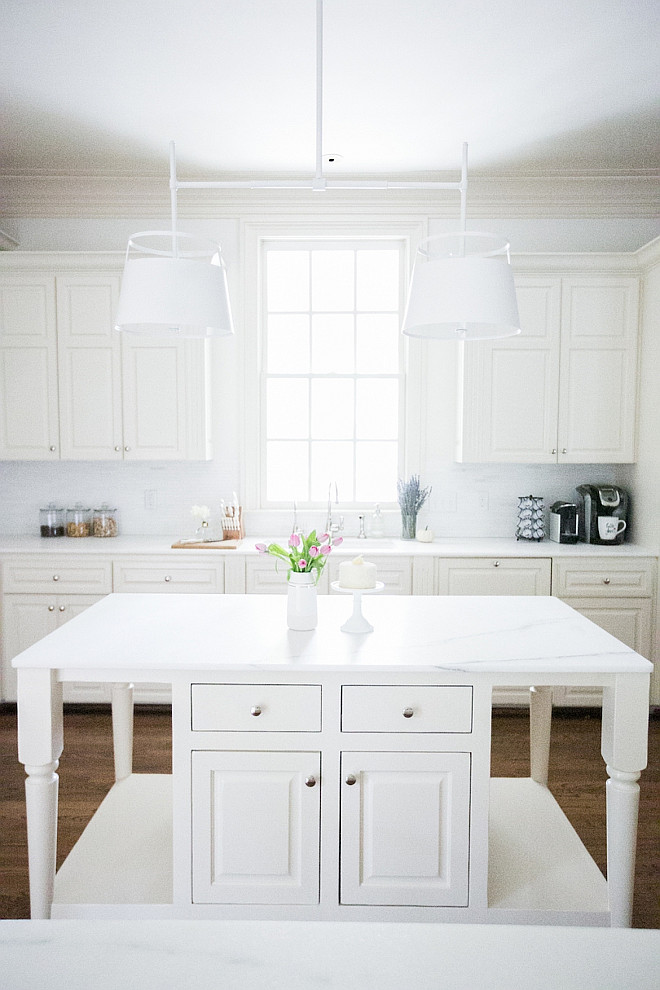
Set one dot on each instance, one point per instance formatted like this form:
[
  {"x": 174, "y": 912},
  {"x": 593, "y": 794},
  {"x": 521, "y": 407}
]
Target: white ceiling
[{"x": 536, "y": 88}]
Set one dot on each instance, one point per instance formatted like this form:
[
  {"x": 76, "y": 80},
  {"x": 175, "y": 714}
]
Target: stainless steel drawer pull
[
  {"x": 62, "y": 608},
  {"x": 496, "y": 563},
  {"x": 408, "y": 713},
  {"x": 606, "y": 580},
  {"x": 351, "y": 779},
  {"x": 168, "y": 577},
  {"x": 52, "y": 447},
  {"x": 255, "y": 710},
  {"x": 563, "y": 450},
  {"x": 51, "y": 608},
  {"x": 310, "y": 781},
  {"x": 117, "y": 448},
  {"x": 56, "y": 577}
]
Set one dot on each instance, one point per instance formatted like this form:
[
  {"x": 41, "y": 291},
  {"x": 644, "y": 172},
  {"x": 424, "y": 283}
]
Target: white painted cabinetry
[
  {"x": 564, "y": 391},
  {"x": 73, "y": 388},
  {"x": 29, "y": 418},
  {"x": 615, "y": 594},
  {"x": 493, "y": 575}
]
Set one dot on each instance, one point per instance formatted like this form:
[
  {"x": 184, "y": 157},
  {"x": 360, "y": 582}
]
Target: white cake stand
[{"x": 357, "y": 622}]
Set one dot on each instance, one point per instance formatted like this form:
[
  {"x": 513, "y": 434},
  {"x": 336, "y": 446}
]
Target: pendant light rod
[
  {"x": 173, "y": 203},
  {"x": 319, "y": 182}
]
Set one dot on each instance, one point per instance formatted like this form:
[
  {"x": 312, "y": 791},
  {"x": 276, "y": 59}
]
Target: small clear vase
[
  {"x": 301, "y": 611},
  {"x": 408, "y": 525}
]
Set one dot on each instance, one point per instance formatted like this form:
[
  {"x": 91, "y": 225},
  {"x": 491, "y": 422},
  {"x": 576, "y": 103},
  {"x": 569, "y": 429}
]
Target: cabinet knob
[
  {"x": 127, "y": 448},
  {"x": 51, "y": 608},
  {"x": 606, "y": 580},
  {"x": 168, "y": 578},
  {"x": 255, "y": 710},
  {"x": 496, "y": 563},
  {"x": 52, "y": 447},
  {"x": 56, "y": 577},
  {"x": 351, "y": 779},
  {"x": 117, "y": 448},
  {"x": 554, "y": 450},
  {"x": 563, "y": 450},
  {"x": 310, "y": 781},
  {"x": 62, "y": 608},
  {"x": 408, "y": 713}
]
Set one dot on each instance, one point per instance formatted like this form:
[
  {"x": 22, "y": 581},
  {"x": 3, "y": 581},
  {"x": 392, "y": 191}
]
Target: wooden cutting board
[{"x": 215, "y": 545}]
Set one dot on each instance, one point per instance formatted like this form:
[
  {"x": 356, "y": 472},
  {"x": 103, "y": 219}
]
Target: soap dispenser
[{"x": 377, "y": 525}]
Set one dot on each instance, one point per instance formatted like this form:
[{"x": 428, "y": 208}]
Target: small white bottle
[{"x": 377, "y": 528}]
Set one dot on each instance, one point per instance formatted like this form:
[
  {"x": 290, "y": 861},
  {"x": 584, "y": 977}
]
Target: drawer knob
[
  {"x": 310, "y": 781},
  {"x": 496, "y": 563},
  {"x": 351, "y": 779},
  {"x": 52, "y": 448},
  {"x": 606, "y": 580},
  {"x": 168, "y": 577},
  {"x": 255, "y": 710},
  {"x": 56, "y": 577},
  {"x": 408, "y": 713},
  {"x": 127, "y": 448},
  {"x": 51, "y": 608},
  {"x": 62, "y": 608},
  {"x": 554, "y": 450},
  {"x": 117, "y": 448},
  {"x": 563, "y": 450}
]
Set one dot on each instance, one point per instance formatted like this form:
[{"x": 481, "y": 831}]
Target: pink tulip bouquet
[{"x": 305, "y": 554}]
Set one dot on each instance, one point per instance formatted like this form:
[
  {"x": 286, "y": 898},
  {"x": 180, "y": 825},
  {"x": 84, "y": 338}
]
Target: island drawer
[
  {"x": 406, "y": 708},
  {"x": 256, "y": 707},
  {"x": 64, "y": 575},
  {"x": 167, "y": 576},
  {"x": 632, "y": 578}
]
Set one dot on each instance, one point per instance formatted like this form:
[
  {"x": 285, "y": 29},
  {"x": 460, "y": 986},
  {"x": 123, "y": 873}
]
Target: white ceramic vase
[{"x": 301, "y": 609}]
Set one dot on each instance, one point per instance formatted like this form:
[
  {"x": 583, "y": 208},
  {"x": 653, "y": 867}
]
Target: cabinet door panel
[
  {"x": 255, "y": 828},
  {"x": 510, "y": 387},
  {"x": 29, "y": 426},
  {"x": 405, "y": 828},
  {"x": 154, "y": 400},
  {"x": 394, "y": 572},
  {"x": 474, "y": 576},
  {"x": 89, "y": 367},
  {"x": 598, "y": 370}
]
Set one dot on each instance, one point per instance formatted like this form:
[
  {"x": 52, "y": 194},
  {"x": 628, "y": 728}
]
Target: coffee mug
[{"x": 610, "y": 526}]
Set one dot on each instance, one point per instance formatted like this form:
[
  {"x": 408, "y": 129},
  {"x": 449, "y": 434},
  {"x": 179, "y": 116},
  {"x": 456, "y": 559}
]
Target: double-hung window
[{"x": 331, "y": 370}]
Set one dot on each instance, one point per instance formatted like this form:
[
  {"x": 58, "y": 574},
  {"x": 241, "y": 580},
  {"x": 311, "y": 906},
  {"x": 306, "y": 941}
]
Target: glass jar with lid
[
  {"x": 105, "y": 521},
  {"x": 78, "y": 521},
  {"x": 51, "y": 520}
]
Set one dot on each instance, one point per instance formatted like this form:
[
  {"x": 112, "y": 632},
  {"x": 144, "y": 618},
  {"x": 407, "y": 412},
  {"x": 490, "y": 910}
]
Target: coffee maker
[{"x": 602, "y": 514}]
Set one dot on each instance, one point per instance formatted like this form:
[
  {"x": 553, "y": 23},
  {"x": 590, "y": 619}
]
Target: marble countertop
[
  {"x": 459, "y": 547},
  {"x": 179, "y": 633},
  {"x": 298, "y": 955}
]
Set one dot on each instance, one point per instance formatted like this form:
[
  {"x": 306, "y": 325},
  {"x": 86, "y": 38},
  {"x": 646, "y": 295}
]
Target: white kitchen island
[{"x": 329, "y": 776}]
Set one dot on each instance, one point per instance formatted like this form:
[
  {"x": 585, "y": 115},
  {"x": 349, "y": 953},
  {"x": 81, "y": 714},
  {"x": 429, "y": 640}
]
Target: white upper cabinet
[
  {"x": 564, "y": 391},
  {"x": 73, "y": 388},
  {"x": 28, "y": 369}
]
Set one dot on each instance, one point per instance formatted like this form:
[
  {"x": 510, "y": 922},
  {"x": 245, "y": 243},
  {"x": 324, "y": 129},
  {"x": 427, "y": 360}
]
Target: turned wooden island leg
[
  {"x": 540, "y": 723},
  {"x": 40, "y": 738},
  {"x": 624, "y": 743},
  {"x": 122, "y": 729}
]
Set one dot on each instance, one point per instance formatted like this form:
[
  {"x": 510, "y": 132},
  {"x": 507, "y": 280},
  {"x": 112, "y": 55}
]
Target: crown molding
[
  {"x": 648, "y": 256},
  {"x": 509, "y": 197}
]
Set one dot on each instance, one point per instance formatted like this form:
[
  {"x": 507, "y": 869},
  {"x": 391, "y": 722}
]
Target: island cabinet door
[
  {"x": 405, "y": 828},
  {"x": 256, "y": 819}
]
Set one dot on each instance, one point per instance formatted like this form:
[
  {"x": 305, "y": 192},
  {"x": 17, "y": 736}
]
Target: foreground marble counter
[{"x": 234, "y": 955}]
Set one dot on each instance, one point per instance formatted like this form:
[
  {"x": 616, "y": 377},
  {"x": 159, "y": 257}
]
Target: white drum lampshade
[
  {"x": 175, "y": 288},
  {"x": 462, "y": 289}
]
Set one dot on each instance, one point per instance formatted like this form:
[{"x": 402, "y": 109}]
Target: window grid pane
[{"x": 332, "y": 373}]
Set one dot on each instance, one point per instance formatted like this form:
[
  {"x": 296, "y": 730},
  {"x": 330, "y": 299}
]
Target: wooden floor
[{"x": 577, "y": 779}]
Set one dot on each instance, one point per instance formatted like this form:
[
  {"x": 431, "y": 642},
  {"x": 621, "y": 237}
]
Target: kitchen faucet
[{"x": 332, "y": 527}]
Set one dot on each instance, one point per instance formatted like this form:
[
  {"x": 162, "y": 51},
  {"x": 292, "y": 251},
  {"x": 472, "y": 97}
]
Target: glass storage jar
[
  {"x": 51, "y": 521},
  {"x": 78, "y": 521},
  {"x": 105, "y": 521}
]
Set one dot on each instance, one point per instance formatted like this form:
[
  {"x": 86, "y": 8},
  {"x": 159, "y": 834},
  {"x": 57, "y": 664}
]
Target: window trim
[{"x": 408, "y": 231}]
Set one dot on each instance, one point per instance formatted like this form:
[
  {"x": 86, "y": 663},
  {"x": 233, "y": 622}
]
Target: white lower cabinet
[
  {"x": 27, "y": 619},
  {"x": 255, "y": 827},
  {"x": 493, "y": 576},
  {"x": 405, "y": 828}
]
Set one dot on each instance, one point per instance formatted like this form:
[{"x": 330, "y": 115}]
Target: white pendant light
[
  {"x": 462, "y": 285},
  {"x": 174, "y": 284}
]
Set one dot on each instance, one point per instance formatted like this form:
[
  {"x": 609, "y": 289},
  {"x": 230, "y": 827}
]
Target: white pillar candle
[{"x": 357, "y": 573}]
